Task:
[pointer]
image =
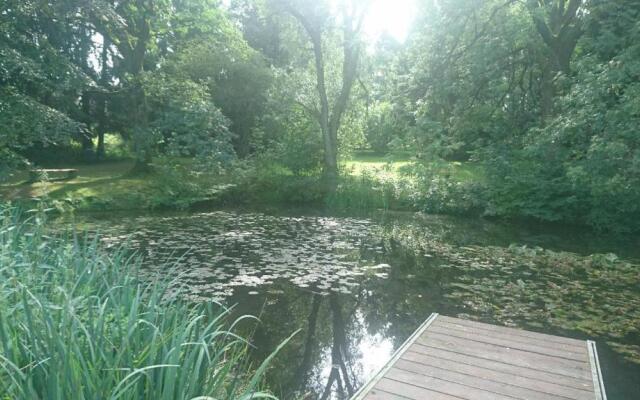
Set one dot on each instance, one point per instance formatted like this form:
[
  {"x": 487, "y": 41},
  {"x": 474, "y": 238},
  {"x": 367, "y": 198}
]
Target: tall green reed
[
  {"x": 77, "y": 323},
  {"x": 367, "y": 192}
]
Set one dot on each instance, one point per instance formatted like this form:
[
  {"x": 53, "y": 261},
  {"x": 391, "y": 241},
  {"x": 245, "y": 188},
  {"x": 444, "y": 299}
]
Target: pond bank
[{"x": 366, "y": 184}]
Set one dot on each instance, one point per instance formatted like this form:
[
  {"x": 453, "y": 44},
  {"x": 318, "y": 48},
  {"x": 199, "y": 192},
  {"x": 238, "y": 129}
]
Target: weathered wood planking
[{"x": 450, "y": 358}]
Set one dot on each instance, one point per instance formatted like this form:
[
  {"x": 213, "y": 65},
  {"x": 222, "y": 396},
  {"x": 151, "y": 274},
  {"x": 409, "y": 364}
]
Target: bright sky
[{"x": 392, "y": 16}]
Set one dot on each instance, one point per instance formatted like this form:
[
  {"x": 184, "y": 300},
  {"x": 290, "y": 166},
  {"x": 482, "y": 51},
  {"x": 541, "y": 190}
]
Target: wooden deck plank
[
  {"x": 481, "y": 381},
  {"x": 491, "y": 365},
  {"x": 409, "y": 391},
  {"x": 513, "y": 331},
  {"x": 457, "y": 328},
  {"x": 560, "y": 366},
  {"x": 449, "y": 358},
  {"x": 444, "y": 386},
  {"x": 511, "y": 378},
  {"x": 379, "y": 394},
  {"x": 512, "y": 344}
]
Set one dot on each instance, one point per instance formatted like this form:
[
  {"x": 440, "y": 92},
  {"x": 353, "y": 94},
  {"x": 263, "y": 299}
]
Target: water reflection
[
  {"x": 335, "y": 351},
  {"x": 358, "y": 287}
]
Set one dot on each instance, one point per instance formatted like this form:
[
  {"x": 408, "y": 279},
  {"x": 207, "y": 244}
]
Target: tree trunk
[
  {"x": 141, "y": 115},
  {"x": 330, "y": 118},
  {"x": 330, "y": 168},
  {"x": 87, "y": 148},
  {"x": 560, "y": 33},
  {"x": 547, "y": 92},
  {"x": 329, "y": 138},
  {"x": 103, "y": 100},
  {"x": 100, "y": 151}
]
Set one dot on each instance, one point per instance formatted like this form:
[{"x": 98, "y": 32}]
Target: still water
[{"x": 357, "y": 287}]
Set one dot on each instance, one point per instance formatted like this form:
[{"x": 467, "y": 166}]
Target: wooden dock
[{"x": 450, "y": 358}]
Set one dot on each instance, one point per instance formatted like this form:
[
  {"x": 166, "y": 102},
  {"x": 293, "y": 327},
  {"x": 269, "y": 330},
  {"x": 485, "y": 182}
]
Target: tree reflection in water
[
  {"x": 343, "y": 339},
  {"x": 339, "y": 354}
]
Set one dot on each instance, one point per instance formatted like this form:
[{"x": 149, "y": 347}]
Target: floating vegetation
[
  {"x": 596, "y": 296},
  {"x": 220, "y": 251}
]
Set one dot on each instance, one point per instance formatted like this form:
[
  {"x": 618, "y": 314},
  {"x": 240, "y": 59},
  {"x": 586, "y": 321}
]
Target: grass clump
[
  {"x": 435, "y": 187},
  {"x": 77, "y": 323}
]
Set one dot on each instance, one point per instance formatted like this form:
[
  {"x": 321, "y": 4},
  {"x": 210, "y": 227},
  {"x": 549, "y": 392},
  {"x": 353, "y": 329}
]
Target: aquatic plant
[
  {"x": 591, "y": 296},
  {"x": 249, "y": 250},
  {"x": 77, "y": 323}
]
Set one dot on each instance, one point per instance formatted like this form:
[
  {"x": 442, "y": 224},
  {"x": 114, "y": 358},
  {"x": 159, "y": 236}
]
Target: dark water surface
[{"x": 357, "y": 287}]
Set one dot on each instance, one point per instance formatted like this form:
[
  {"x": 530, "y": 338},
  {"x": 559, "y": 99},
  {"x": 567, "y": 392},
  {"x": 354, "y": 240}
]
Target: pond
[{"x": 357, "y": 286}]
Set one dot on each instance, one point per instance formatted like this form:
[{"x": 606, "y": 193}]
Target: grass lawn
[
  {"x": 360, "y": 163},
  {"x": 107, "y": 186},
  {"x": 92, "y": 179},
  {"x": 396, "y": 165}
]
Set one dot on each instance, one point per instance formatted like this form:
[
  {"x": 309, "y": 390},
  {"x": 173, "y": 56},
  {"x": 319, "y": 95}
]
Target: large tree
[
  {"x": 469, "y": 76},
  {"x": 42, "y": 73},
  {"x": 318, "y": 23},
  {"x": 133, "y": 29},
  {"x": 560, "y": 24}
]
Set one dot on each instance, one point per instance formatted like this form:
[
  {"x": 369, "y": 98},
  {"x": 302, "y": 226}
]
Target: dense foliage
[
  {"x": 582, "y": 164},
  {"x": 77, "y": 70},
  {"x": 39, "y": 78},
  {"x": 542, "y": 95}
]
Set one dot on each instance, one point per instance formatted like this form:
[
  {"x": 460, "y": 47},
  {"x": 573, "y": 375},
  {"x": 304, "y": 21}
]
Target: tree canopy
[{"x": 543, "y": 94}]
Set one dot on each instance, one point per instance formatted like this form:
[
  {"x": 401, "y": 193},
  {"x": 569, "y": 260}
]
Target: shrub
[
  {"x": 270, "y": 183},
  {"x": 436, "y": 189},
  {"x": 367, "y": 192},
  {"x": 298, "y": 147}
]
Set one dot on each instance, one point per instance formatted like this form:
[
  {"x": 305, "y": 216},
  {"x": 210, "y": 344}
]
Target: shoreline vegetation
[
  {"x": 368, "y": 181},
  {"x": 78, "y": 322}
]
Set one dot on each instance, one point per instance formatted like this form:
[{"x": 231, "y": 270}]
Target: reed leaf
[{"x": 78, "y": 322}]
